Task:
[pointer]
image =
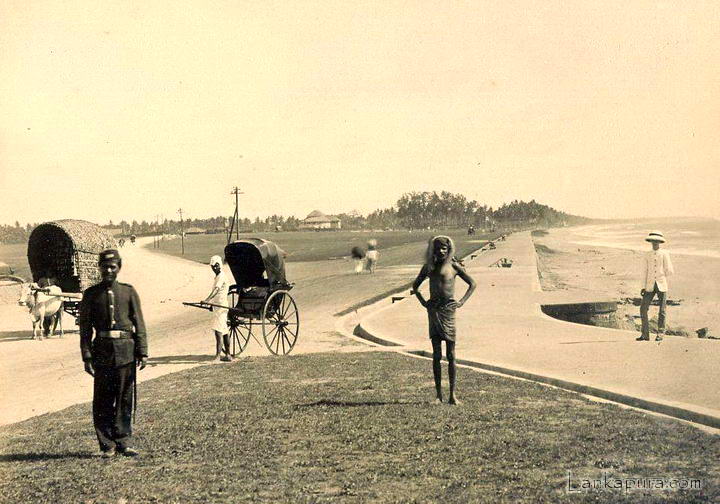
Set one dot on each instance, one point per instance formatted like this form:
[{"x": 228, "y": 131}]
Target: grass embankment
[
  {"x": 352, "y": 428},
  {"x": 319, "y": 246},
  {"x": 301, "y": 246}
]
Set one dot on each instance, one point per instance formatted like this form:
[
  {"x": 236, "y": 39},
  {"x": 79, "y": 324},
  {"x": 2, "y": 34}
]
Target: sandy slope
[
  {"x": 568, "y": 264},
  {"x": 42, "y": 376}
]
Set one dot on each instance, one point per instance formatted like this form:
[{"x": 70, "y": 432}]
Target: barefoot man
[
  {"x": 442, "y": 268},
  {"x": 218, "y": 295}
]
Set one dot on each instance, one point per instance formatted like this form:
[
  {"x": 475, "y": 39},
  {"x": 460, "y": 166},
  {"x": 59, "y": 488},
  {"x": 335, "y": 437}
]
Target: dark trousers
[
  {"x": 645, "y": 306},
  {"x": 112, "y": 405}
]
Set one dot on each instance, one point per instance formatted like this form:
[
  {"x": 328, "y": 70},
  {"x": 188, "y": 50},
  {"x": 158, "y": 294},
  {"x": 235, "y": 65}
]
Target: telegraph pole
[
  {"x": 236, "y": 216},
  {"x": 182, "y": 231},
  {"x": 157, "y": 231}
]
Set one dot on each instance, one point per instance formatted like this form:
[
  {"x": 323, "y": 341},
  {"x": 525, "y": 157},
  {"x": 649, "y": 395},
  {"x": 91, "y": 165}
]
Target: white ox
[{"x": 45, "y": 307}]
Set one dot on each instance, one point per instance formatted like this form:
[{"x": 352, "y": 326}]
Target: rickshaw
[{"x": 260, "y": 297}]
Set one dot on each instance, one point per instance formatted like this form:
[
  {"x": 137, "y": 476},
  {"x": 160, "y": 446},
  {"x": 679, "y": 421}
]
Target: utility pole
[
  {"x": 157, "y": 229},
  {"x": 182, "y": 231},
  {"x": 236, "y": 216}
]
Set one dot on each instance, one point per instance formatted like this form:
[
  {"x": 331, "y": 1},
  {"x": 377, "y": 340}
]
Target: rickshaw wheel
[
  {"x": 280, "y": 322},
  {"x": 240, "y": 333}
]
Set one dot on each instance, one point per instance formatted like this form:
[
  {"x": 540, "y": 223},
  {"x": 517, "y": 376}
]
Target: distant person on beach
[
  {"x": 218, "y": 296},
  {"x": 656, "y": 268},
  {"x": 371, "y": 257},
  {"x": 442, "y": 268}
]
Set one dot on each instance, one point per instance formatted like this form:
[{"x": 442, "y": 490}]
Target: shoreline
[
  {"x": 673, "y": 251},
  {"x": 569, "y": 261}
]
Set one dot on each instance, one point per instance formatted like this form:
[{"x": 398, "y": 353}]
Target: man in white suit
[{"x": 658, "y": 267}]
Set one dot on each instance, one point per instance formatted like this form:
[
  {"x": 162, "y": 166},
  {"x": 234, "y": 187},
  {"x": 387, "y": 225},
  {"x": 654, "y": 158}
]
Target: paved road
[{"x": 38, "y": 377}]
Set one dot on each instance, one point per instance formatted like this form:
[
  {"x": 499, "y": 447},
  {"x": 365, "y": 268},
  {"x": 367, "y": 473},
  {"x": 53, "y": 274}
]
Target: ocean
[{"x": 684, "y": 235}]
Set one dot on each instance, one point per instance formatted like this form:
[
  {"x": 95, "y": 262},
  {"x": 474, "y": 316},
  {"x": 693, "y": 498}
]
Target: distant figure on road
[
  {"x": 132, "y": 239},
  {"x": 656, "y": 268},
  {"x": 218, "y": 295},
  {"x": 371, "y": 257},
  {"x": 442, "y": 268},
  {"x": 358, "y": 254}
]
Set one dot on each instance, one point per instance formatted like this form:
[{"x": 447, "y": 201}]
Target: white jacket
[{"x": 657, "y": 268}]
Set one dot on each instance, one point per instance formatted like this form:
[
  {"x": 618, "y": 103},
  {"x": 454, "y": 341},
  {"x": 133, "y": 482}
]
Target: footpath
[{"x": 502, "y": 329}]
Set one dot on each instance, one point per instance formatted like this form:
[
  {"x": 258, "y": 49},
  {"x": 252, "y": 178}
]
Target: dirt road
[{"x": 38, "y": 377}]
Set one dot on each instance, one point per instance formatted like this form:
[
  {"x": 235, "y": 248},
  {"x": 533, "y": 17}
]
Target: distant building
[{"x": 318, "y": 220}]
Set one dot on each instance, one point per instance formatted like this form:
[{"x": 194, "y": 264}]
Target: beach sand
[{"x": 567, "y": 262}]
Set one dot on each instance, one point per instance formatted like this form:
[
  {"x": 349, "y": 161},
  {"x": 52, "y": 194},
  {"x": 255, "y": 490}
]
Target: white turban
[{"x": 216, "y": 259}]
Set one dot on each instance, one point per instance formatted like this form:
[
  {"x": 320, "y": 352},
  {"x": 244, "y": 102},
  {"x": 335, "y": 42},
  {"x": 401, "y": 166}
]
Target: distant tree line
[
  {"x": 16, "y": 233},
  {"x": 420, "y": 210},
  {"x": 414, "y": 210},
  {"x": 211, "y": 225}
]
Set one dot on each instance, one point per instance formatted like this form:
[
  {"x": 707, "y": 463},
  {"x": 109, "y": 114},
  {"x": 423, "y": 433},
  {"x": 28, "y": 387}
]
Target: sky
[{"x": 131, "y": 110}]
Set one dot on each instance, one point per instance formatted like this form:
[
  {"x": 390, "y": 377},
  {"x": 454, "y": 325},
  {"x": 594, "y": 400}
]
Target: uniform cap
[
  {"x": 109, "y": 255},
  {"x": 216, "y": 259}
]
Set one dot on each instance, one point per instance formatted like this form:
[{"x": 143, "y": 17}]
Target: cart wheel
[
  {"x": 240, "y": 333},
  {"x": 238, "y": 329},
  {"x": 280, "y": 322},
  {"x": 232, "y": 299}
]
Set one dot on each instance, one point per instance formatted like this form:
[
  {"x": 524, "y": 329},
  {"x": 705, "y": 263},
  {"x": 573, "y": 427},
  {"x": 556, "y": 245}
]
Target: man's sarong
[{"x": 441, "y": 319}]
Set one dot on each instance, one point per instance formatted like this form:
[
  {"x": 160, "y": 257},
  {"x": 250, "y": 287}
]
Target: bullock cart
[
  {"x": 65, "y": 253},
  {"x": 260, "y": 300}
]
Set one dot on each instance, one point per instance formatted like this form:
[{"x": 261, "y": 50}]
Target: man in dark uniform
[{"x": 112, "y": 311}]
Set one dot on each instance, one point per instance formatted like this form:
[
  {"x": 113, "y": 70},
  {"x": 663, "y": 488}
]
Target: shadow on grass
[
  {"x": 37, "y": 457},
  {"x": 350, "y": 404},
  {"x": 179, "y": 359}
]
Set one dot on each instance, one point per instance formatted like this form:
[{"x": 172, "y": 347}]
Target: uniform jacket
[
  {"x": 658, "y": 267},
  {"x": 126, "y": 316}
]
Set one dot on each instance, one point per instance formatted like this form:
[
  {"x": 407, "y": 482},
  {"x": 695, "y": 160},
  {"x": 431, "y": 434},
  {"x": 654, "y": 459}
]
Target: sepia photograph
[{"x": 360, "y": 252}]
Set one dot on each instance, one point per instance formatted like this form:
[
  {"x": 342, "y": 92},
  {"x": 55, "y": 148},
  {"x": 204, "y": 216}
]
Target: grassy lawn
[
  {"x": 318, "y": 246},
  {"x": 15, "y": 255},
  {"x": 302, "y": 246},
  {"x": 355, "y": 427}
]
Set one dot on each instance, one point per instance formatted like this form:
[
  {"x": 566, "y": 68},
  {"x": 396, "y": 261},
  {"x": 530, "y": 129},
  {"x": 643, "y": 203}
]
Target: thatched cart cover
[{"x": 68, "y": 250}]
